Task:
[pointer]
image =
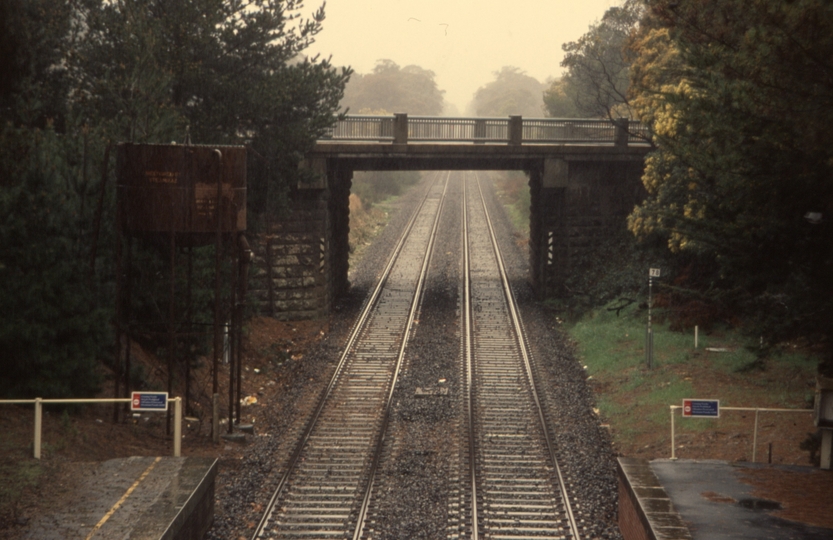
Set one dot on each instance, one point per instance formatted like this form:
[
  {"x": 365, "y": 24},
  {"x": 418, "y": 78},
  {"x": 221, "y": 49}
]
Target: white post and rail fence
[
  {"x": 706, "y": 408},
  {"x": 822, "y": 412},
  {"x": 140, "y": 401}
]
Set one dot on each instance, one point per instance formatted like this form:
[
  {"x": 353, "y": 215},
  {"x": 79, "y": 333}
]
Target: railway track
[
  {"x": 326, "y": 489},
  {"x": 508, "y": 482},
  {"x": 516, "y": 489}
]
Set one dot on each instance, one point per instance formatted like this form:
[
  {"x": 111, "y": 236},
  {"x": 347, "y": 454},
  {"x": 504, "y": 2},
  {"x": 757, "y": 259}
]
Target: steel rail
[
  {"x": 370, "y": 305},
  {"x": 467, "y": 335},
  {"x": 521, "y": 335},
  {"x": 360, "y": 522}
]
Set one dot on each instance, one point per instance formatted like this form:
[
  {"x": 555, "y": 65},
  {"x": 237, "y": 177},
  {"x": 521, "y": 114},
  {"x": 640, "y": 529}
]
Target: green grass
[
  {"x": 610, "y": 341},
  {"x": 635, "y": 399},
  {"x": 513, "y": 193}
]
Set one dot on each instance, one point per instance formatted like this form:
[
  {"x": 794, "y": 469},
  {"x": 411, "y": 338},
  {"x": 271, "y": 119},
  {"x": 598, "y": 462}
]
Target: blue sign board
[
  {"x": 149, "y": 401},
  {"x": 701, "y": 408}
]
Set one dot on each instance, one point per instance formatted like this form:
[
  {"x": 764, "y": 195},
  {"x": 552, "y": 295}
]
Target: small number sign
[{"x": 653, "y": 272}]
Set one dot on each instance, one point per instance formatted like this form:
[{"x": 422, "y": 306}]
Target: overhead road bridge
[{"x": 584, "y": 179}]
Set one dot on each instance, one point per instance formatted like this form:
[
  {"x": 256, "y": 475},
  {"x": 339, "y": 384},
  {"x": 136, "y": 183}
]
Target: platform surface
[
  {"x": 716, "y": 505},
  {"x": 135, "y": 498}
]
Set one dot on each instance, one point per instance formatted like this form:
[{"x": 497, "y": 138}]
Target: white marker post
[
  {"x": 649, "y": 336},
  {"x": 158, "y": 402}
]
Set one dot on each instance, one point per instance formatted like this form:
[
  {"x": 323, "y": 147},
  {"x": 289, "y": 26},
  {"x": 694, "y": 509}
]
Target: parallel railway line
[{"x": 510, "y": 484}]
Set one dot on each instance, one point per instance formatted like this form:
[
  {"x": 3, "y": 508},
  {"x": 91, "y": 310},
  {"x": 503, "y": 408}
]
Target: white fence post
[
  {"x": 38, "y": 422},
  {"x": 38, "y": 402},
  {"x": 177, "y": 426},
  {"x": 673, "y": 446}
]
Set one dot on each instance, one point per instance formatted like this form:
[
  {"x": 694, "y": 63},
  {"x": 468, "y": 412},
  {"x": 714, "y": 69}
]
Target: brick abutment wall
[
  {"x": 289, "y": 274},
  {"x": 301, "y": 261},
  {"x": 572, "y": 214}
]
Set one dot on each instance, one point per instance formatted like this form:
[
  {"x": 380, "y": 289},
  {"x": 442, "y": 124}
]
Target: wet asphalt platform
[
  {"x": 730, "y": 512},
  {"x": 153, "y": 498},
  {"x": 137, "y": 498}
]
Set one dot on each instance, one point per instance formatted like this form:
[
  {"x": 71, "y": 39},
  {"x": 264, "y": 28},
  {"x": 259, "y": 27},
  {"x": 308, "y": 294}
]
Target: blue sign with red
[
  {"x": 149, "y": 401},
  {"x": 701, "y": 408}
]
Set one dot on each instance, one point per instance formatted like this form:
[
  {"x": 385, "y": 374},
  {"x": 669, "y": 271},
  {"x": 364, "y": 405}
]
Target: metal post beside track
[
  {"x": 177, "y": 426},
  {"x": 38, "y": 425}
]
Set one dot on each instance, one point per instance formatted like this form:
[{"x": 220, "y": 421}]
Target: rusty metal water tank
[{"x": 170, "y": 188}]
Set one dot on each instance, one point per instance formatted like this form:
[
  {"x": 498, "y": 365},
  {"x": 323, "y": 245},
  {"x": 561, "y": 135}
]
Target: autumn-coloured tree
[
  {"x": 597, "y": 64},
  {"x": 739, "y": 95}
]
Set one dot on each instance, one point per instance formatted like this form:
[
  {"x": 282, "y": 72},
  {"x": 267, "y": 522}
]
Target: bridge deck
[{"x": 466, "y": 156}]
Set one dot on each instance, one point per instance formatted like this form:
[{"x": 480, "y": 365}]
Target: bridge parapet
[{"x": 514, "y": 130}]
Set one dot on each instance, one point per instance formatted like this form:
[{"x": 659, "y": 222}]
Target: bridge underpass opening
[
  {"x": 579, "y": 188},
  {"x": 371, "y": 189}
]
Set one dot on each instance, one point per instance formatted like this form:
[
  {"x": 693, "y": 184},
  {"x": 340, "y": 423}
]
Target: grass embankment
[
  {"x": 365, "y": 224},
  {"x": 634, "y": 400},
  {"x": 513, "y": 192},
  {"x": 373, "y": 198}
]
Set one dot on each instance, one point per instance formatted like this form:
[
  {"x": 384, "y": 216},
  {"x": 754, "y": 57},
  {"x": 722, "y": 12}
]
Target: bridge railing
[{"x": 513, "y": 130}]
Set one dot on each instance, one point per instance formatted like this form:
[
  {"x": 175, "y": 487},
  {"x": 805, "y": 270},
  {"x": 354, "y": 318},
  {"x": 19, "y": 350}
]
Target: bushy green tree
[
  {"x": 81, "y": 75},
  {"x": 513, "y": 92},
  {"x": 51, "y": 327},
  {"x": 231, "y": 72},
  {"x": 740, "y": 99},
  {"x": 597, "y": 65},
  {"x": 560, "y": 100},
  {"x": 33, "y": 85},
  {"x": 392, "y": 89}
]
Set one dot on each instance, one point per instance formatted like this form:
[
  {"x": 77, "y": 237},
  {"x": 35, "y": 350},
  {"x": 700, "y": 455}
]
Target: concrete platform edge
[
  {"x": 645, "y": 509},
  {"x": 198, "y": 507}
]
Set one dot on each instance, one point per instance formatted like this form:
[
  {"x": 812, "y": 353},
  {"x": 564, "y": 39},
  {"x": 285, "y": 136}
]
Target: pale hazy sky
[{"x": 462, "y": 41}]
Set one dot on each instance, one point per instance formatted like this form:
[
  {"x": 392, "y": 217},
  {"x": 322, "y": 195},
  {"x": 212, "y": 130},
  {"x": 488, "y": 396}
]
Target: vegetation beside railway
[
  {"x": 371, "y": 199},
  {"x": 79, "y": 77},
  {"x": 606, "y": 318},
  {"x": 633, "y": 399},
  {"x": 738, "y": 183}
]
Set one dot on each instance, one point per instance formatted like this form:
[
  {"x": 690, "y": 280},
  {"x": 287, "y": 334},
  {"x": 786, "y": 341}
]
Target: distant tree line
[
  {"x": 77, "y": 77},
  {"x": 391, "y": 89},
  {"x": 512, "y": 92}
]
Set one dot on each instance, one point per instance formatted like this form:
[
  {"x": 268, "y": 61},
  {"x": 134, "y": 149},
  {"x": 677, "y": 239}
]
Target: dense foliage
[
  {"x": 740, "y": 98},
  {"x": 51, "y": 326},
  {"x": 376, "y": 186},
  {"x": 596, "y": 81},
  {"x": 392, "y": 89},
  {"x": 80, "y": 76},
  {"x": 560, "y": 99},
  {"x": 513, "y": 92}
]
